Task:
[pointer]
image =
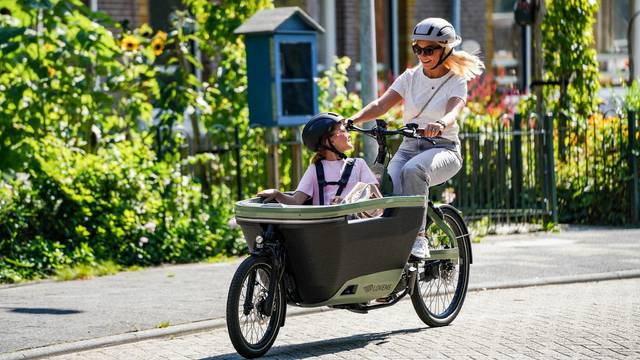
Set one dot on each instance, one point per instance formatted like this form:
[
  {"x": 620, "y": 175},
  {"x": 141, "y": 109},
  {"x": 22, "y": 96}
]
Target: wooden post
[
  {"x": 633, "y": 168},
  {"x": 296, "y": 148},
  {"x": 273, "y": 162},
  {"x": 237, "y": 148},
  {"x": 538, "y": 55},
  {"x": 550, "y": 167}
]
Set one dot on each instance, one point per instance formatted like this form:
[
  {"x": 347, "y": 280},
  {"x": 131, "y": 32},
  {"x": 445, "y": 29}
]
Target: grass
[
  {"x": 162, "y": 325},
  {"x": 220, "y": 258},
  {"x": 87, "y": 271}
]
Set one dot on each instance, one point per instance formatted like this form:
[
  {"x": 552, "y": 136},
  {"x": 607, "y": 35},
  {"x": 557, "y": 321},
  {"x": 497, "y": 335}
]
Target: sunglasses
[{"x": 428, "y": 51}]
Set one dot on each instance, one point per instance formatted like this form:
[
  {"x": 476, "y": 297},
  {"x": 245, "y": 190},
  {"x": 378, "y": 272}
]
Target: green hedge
[{"x": 117, "y": 204}]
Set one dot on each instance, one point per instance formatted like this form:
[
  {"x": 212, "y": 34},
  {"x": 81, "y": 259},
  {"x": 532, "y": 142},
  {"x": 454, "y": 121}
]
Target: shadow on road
[
  {"x": 42, "y": 311},
  {"x": 324, "y": 347}
]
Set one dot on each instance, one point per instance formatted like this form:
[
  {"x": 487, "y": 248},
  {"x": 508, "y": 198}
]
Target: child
[{"x": 331, "y": 174}]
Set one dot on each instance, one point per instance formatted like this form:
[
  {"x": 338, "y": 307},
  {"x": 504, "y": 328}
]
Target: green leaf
[
  {"x": 10, "y": 47},
  {"x": 40, "y": 4},
  {"x": 10, "y": 32}
]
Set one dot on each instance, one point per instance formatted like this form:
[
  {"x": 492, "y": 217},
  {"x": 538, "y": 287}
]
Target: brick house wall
[
  {"x": 138, "y": 12},
  {"x": 347, "y": 35},
  {"x": 472, "y": 19},
  {"x": 134, "y": 12}
]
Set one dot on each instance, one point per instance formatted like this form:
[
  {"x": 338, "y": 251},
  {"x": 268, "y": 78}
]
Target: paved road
[
  {"x": 48, "y": 313},
  {"x": 597, "y": 320}
]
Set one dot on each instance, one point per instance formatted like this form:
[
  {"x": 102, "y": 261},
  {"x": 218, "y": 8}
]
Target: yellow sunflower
[
  {"x": 130, "y": 43},
  {"x": 158, "y": 42},
  {"x": 162, "y": 35}
]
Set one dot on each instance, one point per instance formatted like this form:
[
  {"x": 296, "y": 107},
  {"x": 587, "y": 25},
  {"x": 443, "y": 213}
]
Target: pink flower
[
  {"x": 143, "y": 240},
  {"x": 150, "y": 226}
]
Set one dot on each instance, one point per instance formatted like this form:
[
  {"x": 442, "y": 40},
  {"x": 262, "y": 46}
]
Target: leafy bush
[
  {"x": 118, "y": 204},
  {"x": 595, "y": 173},
  {"x": 87, "y": 176}
]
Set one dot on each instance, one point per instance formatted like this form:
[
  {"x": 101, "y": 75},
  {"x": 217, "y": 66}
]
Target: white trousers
[{"x": 417, "y": 165}]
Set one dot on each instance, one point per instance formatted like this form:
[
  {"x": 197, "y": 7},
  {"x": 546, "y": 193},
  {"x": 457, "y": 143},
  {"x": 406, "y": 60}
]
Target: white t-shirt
[{"x": 416, "y": 88}]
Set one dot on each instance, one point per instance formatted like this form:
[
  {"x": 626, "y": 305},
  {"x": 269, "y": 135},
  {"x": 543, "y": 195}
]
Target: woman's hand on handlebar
[
  {"x": 432, "y": 130},
  {"x": 348, "y": 123}
]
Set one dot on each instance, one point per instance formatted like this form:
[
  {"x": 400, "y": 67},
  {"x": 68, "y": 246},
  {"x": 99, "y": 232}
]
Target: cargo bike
[{"x": 312, "y": 256}]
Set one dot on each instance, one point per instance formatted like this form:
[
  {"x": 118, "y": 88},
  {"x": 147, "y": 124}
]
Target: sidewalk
[{"x": 123, "y": 307}]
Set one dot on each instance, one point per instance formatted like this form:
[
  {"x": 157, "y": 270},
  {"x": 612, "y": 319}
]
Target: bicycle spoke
[{"x": 254, "y": 325}]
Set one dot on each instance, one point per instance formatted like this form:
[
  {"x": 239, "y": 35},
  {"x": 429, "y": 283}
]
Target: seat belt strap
[
  {"x": 342, "y": 183},
  {"x": 344, "y": 179}
]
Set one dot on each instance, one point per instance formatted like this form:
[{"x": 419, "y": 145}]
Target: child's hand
[
  {"x": 336, "y": 200},
  {"x": 268, "y": 194}
]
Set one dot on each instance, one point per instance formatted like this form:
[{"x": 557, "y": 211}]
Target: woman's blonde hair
[{"x": 463, "y": 64}]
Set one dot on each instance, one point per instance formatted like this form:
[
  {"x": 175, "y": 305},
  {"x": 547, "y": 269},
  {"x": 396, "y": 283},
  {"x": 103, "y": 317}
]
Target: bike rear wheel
[
  {"x": 442, "y": 282},
  {"x": 251, "y": 330}
]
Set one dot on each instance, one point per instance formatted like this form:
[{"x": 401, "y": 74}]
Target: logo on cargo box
[{"x": 378, "y": 287}]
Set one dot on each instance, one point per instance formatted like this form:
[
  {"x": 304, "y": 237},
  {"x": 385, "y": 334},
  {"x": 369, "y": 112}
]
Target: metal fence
[
  {"x": 503, "y": 175},
  {"x": 527, "y": 169},
  {"x": 595, "y": 168}
]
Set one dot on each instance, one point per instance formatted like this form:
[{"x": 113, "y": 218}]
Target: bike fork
[{"x": 274, "y": 251}]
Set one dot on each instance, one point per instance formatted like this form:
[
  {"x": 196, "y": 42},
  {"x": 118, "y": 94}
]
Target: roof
[{"x": 268, "y": 20}]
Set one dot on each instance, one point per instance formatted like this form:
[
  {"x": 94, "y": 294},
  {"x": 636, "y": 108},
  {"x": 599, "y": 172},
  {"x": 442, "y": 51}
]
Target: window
[
  {"x": 611, "y": 40},
  {"x": 297, "y": 83}
]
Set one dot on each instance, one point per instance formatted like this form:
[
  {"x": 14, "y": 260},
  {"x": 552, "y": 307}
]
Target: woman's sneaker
[{"x": 420, "y": 248}]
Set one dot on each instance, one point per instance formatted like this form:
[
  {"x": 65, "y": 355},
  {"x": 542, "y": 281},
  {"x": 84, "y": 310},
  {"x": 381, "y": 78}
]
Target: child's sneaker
[{"x": 420, "y": 248}]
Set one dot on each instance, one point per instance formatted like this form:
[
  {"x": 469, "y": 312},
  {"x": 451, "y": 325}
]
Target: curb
[
  {"x": 199, "y": 326},
  {"x": 66, "y": 348},
  {"x": 559, "y": 280}
]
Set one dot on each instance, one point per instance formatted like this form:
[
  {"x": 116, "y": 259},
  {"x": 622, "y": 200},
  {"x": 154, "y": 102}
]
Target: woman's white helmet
[{"x": 436, "y": 29}]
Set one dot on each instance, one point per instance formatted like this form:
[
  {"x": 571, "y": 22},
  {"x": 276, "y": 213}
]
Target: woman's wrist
[{"x": 441, "y": 122}]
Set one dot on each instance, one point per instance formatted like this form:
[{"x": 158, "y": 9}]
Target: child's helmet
[{"x": 317, "y": 127}]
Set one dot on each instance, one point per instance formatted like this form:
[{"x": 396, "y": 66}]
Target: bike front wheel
[
  {"x": 442, "y": 280},
  {"x": 251, "y": 330}
]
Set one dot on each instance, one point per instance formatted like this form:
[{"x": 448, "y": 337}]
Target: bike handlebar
[{"x": 410, "y": 131}]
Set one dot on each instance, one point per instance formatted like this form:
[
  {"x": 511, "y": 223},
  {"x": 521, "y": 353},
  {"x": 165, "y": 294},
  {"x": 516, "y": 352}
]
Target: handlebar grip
[{"x": 349, "y": 124}]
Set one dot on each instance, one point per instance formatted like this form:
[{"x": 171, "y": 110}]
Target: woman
[
  {"x": 326, "y": 135},
  {"x": 434, "y": 93}
]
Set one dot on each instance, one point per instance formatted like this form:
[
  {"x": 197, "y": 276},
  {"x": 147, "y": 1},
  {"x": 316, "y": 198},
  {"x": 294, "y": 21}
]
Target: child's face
[{"x": 341, "y": 139}]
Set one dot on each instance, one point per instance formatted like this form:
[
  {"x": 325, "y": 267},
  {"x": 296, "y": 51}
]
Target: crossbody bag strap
[{"x": 432, "y": 95}]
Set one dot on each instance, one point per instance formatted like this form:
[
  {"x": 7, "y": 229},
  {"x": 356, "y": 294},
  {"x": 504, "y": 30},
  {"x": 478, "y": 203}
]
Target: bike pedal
[
  {"x": 414, "y": 259},
  {"x": 385, "y": 300}
]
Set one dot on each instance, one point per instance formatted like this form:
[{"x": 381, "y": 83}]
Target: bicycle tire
[
  {"x": 253, "y": 334},
  {"x": 449, "y": 280}
]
